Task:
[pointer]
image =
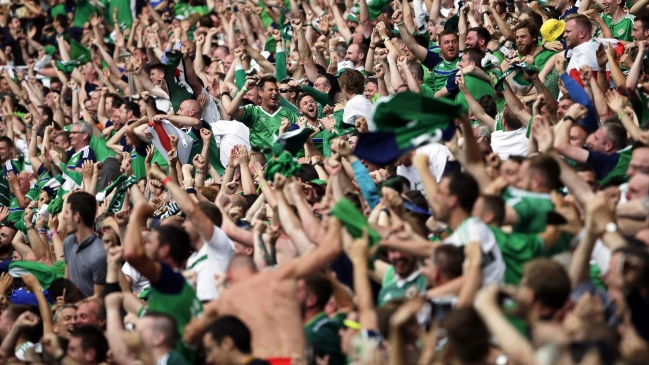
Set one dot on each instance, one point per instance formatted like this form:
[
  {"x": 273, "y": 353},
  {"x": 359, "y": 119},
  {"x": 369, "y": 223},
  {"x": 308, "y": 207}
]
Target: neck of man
[
  {"x": 238, "y": 358},
  {"x": 79, "y": 146},
  {"x": 159, "y": 352},
  {"x": 312, "y": 121},
  {"x": 458, "y": 215},
  {"x": 310, "y": 313},
  {"x": 83, "y": 233},
  {"x": 269, "y": 108},
  {"x": 532, "y": 50},
  {"x": 618, "y": 14}
]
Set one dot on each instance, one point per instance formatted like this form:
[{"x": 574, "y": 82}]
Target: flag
[
  {"x": 49, "y": 50},
  {"x": 583, "y": 55},
  {"x": 284, "y": 164},
  {"x": 79, "y": 53},
  {"x": 519, "y": 78},
  {"x": 374, "y": 7},
  {"x": 121, "y": 185},
  {"x": 161, "y": 132},
  {"x": 292, "y": 141},
  {"x": 405, "y": 121},
  {"x": 174, "y": 69},
  {"x": 354, "y": 222},
  {"x": 43, "y": 273},
  {"x": 66, "y": 67}
]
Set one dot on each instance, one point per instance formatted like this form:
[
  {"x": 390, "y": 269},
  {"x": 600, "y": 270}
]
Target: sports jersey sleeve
[
  {"x": 280, "y": 64},
  {"x": 602, "y": 163},
  {"x": 579, "y": 95},
  {"x": 170, "y": 281},
  {"x": 239, "y": 77},
  {"x": 432, "y": 60},
  {"x": 318, "y": 96},
  {"x": 249, "y": 115},
  {"x": 10, "y": 167},
  {"x": 221, "y": 243}
]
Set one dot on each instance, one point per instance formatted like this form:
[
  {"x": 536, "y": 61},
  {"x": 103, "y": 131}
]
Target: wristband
[
  {"x": 200, "y": 172},
  {"x": 244, "y": 90},
  {"x": 332, "y": 50},
  {"x": 165, "y": 180},
  {"x": 190, "y": 191},
  {"x": 261, "y": 186},
  {"x": 28, "y": 228},
  {"x": 372, "y": 47},
  {"x": 571, "y": 119},
  {"x": 226, "y": 93},
  {"x": 601, "y": 70},
  {"x": 51, "y": 234},
  {"x": 400, "y": 23},
  {"x": 621, "y": 115},
  {"x": 41, "y": 231}
]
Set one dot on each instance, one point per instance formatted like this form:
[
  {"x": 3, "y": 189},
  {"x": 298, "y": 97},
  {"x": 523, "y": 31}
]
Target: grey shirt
[{"x": 86, "y": 262}]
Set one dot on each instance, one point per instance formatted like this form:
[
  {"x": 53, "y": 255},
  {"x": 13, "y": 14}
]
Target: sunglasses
[{"x": 284, "y": 90}]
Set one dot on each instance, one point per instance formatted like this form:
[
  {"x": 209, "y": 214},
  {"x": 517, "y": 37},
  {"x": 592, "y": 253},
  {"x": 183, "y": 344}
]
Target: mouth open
[{"x": 311, "y": 110}]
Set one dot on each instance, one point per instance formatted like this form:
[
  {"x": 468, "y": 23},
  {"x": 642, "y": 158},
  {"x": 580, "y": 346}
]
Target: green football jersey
[
  {"x": 436, "y": 78},
  {"x": 392, "y": 287},
  {"x": 622, "y": 28},
  {"x": 264, "y": 127},
  {"x": 322, "y": 331},
  {"x": 517, "y": 249}
]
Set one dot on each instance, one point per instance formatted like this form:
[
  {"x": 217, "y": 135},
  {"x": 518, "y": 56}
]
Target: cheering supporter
[{"x": 324, "y": 182}]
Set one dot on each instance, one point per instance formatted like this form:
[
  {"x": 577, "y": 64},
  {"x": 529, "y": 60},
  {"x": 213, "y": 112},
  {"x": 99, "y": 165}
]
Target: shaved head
[{"x": 190, "y": 108}]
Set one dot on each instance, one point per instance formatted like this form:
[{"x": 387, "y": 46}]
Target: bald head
[
  {"x": 24, "y": 179},
  {"x": 190, "y": 108}
]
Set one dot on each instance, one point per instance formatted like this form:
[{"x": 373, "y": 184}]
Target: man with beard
[
  {"x": 7, "y": 233},
  {"x": 402, "y": 278},
  {"x": 477, "y": 38},
  {"x": 438, "y": 68},
  {"x": 527, "y": 36}
]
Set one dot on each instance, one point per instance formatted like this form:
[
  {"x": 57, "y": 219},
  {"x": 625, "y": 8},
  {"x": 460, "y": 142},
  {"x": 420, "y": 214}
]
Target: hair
[
  {"x": 57, "y": 314},
  {"x": 421, "y": 40},
  {"x": 372, "y": 81},
  {"x": 353, "y": 81},
  {"x": 465, "y": 188},
  {"x": 132, "y": 107},
  {"x": 157, "y": 66},
  {"x": 488, "y": 103},
  {"x": 362, "y": 48},
  {"x": 468, "y": 336},
  {"x": 48, "y": 113},
  {"x": 548, "y": 168},
  {"x": 326, "y": 80},
  {"x": 300, "y": 97},
  {"x": 446, "y": 32},
  {"x": 257, "y": 157},
  {"x": 177, "y": 239},
  {"x": 320, "y": 286},
  {"x": 212, "y": 212},
  {"x": 209, "y": 192},
  {"x": 616, "y": 133},
  {"x": 85, "y": 204},
  {"x": 475, "y": 56},
  {"x": 167, "y": 325},
  {"x": 85, "y": 127},
  {"x": 482, "y": 33},
  {"x": 264, "y": 79},
  {"x": 101, "y": 308},
  {"x": 535, "y": 17},
  {"x": 416, "y": 68},
  {"x": 307, "y": 172},
  {"x": 483, "y": 130},
  {"x": 448, "y": 259},
  {"x": 62, "y": 19},
  {"x": 8, "y": 141},
  {"x": 531, "y": 27},
  {"x": 92, "y": 338},
  {"x": 581, "y": 20},
  {"x": 116, "y": 100},
  {"x": 496, "y": 205},
  {"x": 549, "y": 281},
  {"x": 235, "y": 329},
  {"x": 644, "y": 20},
  {"x": 512, "y": 121}
]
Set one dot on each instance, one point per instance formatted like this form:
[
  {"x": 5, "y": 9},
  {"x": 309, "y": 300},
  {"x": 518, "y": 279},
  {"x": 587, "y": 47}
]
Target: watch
[
  {"x": 319, "y": 164},
  {"x": 226, "y": 93},
  {"x": 568, "y": 117},
  {"x": 385, "y": 39},
  {"x": 611, "y": 227}
]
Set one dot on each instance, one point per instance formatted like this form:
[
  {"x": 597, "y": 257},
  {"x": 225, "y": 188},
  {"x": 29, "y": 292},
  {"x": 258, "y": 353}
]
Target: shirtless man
[{"x": 280, "y": 309}]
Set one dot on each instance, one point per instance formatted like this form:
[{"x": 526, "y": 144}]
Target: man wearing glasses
[{"x": 80, "y": 135}]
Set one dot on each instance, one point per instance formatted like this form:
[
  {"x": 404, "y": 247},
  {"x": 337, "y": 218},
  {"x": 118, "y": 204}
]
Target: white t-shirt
[
  {"x": 472, "y": 230},
  {"x": 512, "y": 143},
  {"x": 139, "y": 281},
  {"x": 211, "y": 259},
  {"x": 227, "y": 134},
  {"x": 437, "y": 154},
  {"x": 210, "y": 110},
  {"x": 358, "y": 107}
]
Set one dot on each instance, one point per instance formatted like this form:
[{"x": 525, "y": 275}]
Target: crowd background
[{"x": 324, "y": 182}]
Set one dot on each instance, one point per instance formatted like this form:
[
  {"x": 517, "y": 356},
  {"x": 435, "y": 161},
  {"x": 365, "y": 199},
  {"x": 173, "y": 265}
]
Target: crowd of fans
[{"x": 324, "y": 182}]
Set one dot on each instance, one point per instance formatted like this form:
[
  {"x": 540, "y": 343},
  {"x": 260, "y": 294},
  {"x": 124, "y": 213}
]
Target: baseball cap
[{"x": 344, "y": 65}]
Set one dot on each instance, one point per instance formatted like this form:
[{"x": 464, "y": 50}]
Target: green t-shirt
[
  {"x": 542, "y": 58},
  {"x": 436, "y": 78},
  {"x": 124, "y": 14},
  {"x": 15, "y": 211},
  {"x": 532, "y": 209},
  {"x": 392, "y": 287},
  {"x": 622, "y": 28},
  {"x": 322, "y": 333},
  {"x": 5, "y": 196},
  {"x": 82, "y": 12},
  {"x": 58, "y": 10},
  {"x": 619, "y": 170},
  {"x": 265, "y": 126},
  {"x": 102, "y": 151},
  {"x": 517, "y": 249},
  {"x": 640, "y": 108},
  {"x": 137, "y": 164},
  {"x": 477, "y": 87},
  {"x": 425, "y": 90}
]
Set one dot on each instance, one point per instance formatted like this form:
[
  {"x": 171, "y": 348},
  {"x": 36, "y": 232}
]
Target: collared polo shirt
[{"x": 86, "y": 262}]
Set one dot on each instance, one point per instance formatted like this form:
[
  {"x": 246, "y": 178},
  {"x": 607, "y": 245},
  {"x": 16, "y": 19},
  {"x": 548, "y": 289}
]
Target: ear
[
  {"x": 90, "y": 355},
  {"x": 453, "y": 201},
  {"x": 311, "y": 299}
]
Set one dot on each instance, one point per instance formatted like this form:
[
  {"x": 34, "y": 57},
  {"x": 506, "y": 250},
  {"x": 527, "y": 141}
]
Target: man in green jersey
[
  {"x": 438, "y": 68},
  {"x": 618, "y": 21},
  {"x": 8, "y": 165},
  {"x": 320, "y": 330},
  {"x": 80, "y": 135},
  {"x": 21, "y": 195},
  {"x": 402, "y": 277},
  {"x": 264, "y": 120},
  {"x": 476, "y": 86},
  {"x": 161, "y": 262}
]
